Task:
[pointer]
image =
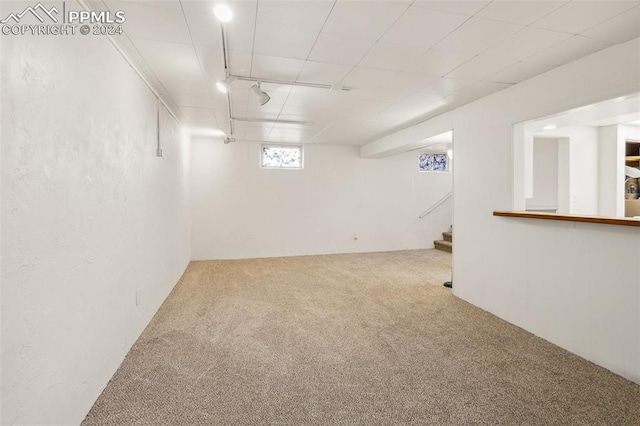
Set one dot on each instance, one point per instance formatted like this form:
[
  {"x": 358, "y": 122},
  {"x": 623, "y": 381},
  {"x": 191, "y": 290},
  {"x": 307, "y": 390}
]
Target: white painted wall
[
  {"x": 576, "y": 285},
  {"x": 564, "y": 176},
  {"x": 241, "y": 210},
  {"x": 583, "y": 170},
  {"x": 610, "y": 172},
  {"x": 545, "y": 174},
  {"x": 89, "y": 215}
]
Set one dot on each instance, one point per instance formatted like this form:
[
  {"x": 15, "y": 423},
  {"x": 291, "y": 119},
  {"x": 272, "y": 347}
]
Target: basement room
[{"x": 242, "y": 212}]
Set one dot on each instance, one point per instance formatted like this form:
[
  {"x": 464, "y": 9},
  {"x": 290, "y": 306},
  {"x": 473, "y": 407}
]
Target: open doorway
[{"x": 436, "y": 156}]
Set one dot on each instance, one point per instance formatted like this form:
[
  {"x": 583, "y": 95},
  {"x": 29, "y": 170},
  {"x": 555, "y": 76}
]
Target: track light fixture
[
  {"x": 223, "y": 85},
  {"x": 262, "y": 97}
]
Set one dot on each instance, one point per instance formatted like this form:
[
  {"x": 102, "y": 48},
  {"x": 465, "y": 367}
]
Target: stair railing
[{"x": 436, "y": 205}]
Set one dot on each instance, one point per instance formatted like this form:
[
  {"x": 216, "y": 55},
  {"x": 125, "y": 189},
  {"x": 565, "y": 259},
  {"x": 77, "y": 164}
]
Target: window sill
[{"x": 620, "y": 221}]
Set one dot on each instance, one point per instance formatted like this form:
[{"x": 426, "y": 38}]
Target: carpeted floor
[{"x": 348, "y": 339}]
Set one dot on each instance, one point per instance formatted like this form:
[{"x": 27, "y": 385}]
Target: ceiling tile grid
[{"x": 404, "y": 60}]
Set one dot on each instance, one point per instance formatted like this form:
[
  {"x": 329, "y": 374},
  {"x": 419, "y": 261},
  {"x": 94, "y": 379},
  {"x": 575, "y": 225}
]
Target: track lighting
[
  {"x": 262, "y": 97},
  {"x": 222, "y": 86},
  {"x": 223, "y": 12}
]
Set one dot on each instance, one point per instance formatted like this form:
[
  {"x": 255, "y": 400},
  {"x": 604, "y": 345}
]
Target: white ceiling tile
[
  {"x": 319, "y": 72},
  {"x": 340, "y": 50},
  {"x": 412, "y": 79},
  {"x": 240, "y": 36},
  {"x": 400, "y": 113},
  {"x": 200, "y": 116},
  {"x": 521, "y": 12},
  {"x": 483, "y": 65},
  {"x": 528, "y": 42},
  {"x": 382, "y": 95},
  {"x": 445, "y": 86},
  {"x": 195, "y": 101},
  {"x": 559, "y": 54},
  {"x": 476, "y": 35},
  {"x": 579, "y": 16},
  {"x": 619, "y": 29},
  {"x": 275, "y": 68},
  {"x": 309, "y": 15},
  {"x": 165, "y": 4},
  {"x": 420, "y": 98},
  {"x": 153, "y": 23},
  {"x": 422, "y": 27},
  {"x": 204, "y": 28},
  {"x": 461, "y": 7},
  {"x": 476, "y": 91},
  {"x": 521, "y": 71},
  {"x": 364, "y": 19},
  {"x": 211, "y": 63},
  {"x": 240, "y": 62},
  {"x": 436, "y": 63},
  {"x": 287, "y": 41},
  {"x": 222, "y": 117},
  {"x": 569, "y": 50},
  {"x": 390, "y": 56},
  {"x": 368, "y": 77},
  {"x": 170, "y": 61}
]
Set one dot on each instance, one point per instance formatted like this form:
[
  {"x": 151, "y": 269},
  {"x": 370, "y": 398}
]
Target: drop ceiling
[{"x": 404, "y": 60}]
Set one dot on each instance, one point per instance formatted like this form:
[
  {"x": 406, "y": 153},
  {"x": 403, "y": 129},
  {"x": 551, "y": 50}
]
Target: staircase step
[
  {"x": 448, "y": 236},
  {"x": 443, "y": 245}
]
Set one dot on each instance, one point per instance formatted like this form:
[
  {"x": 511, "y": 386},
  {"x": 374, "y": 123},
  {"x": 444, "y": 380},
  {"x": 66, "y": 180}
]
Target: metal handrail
[{"x": 426, "y": 212}]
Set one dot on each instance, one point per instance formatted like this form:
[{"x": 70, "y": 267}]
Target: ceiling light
[
  {"x": 550, "y": 127},
  {"x": 263, "y": 98},
  {"x": 223, "y": 12},
  {"x": 222, "y": 86}
]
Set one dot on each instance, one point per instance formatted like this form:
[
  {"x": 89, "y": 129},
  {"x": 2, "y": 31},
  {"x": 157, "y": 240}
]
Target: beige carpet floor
[{"x": 355, "y": 339}]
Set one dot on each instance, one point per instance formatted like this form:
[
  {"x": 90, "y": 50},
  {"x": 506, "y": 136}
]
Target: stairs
[{"x": 446, "y": 244}]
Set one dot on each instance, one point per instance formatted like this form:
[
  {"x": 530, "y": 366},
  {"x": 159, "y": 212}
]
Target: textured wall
[
  {"x": 574, "y": 284},
  {"x": 242, "y": 210},
  {"x": 89, "y": 216}
]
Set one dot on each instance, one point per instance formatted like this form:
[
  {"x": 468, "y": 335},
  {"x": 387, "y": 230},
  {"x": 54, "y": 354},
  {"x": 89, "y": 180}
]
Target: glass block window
[
  {"x": 282, "y": 156},
  {"x": 429, "y": 162}
]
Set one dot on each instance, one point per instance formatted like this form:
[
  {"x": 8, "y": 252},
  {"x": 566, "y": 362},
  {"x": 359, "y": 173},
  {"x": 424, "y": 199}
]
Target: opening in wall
[{"x": 580, "y": 162}]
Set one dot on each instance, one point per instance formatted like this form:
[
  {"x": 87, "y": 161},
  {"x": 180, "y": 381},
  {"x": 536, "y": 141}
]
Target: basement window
[
  {"x": 433, "y": 162},
  {"x": 281, "y": 156}
]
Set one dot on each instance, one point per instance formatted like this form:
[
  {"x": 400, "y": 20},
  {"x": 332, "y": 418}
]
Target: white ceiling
[
  {"x": 405, "y": 60},
  {"x": 621, "y": 110}
]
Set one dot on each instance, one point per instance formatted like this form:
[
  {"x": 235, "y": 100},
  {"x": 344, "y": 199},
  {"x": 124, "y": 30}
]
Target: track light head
[
  {"x": 222, "y": 86},
  {"x": 262, "y": 97}
]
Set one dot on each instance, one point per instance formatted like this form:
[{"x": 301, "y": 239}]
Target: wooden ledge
[{"x": 622, "y": 221}]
